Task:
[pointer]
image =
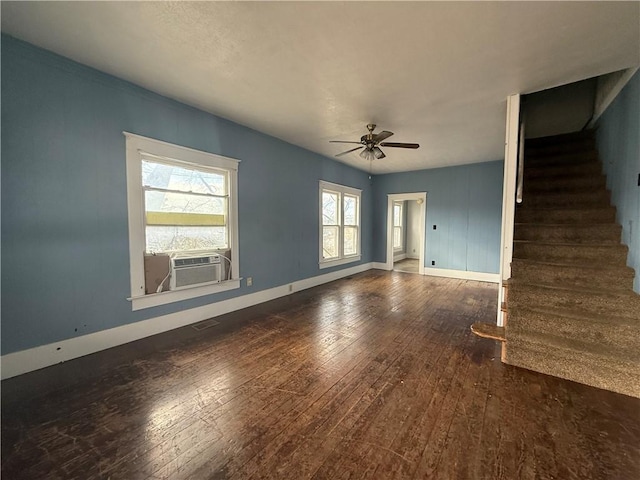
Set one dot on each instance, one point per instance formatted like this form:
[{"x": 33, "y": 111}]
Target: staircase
[{"x": 570, "y": 308}]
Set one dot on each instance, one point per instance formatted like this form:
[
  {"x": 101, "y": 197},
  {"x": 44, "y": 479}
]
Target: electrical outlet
[
  {"x": 433, "y": 262},
  {"x": 249, "y": 281}
]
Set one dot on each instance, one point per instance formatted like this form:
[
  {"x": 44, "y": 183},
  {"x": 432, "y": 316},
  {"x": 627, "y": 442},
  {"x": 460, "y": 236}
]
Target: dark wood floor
[{"x": 377, "y": 376}]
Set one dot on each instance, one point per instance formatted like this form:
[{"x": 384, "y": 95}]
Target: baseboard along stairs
[{"x": 570, "y": 308}]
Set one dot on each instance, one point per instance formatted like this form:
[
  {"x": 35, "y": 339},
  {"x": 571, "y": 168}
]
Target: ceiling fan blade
[
  {"x": 342, "y": 141},
  {"x": 378, "y": 137},
  {"x": 349, "y": 151},
  {"x": 378, "y": 153},
  {"x": 400, "y": 145}
]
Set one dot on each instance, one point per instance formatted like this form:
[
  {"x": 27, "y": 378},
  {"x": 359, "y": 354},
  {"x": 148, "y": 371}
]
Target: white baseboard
[
  {"x": 379, "y": 266},
  {"x": 399, "y": 256},
  {"x": 463, "y": 274},
  {"x": 43, "y": 356}
]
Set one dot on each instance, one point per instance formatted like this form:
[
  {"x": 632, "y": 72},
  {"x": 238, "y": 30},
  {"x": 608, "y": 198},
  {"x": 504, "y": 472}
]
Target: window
[
  {"x": 186, "y": 207},
  {"x": 398, "y": 227},
  {"x": 339, "y": 224},
  {"x": 181, "y": 202}
]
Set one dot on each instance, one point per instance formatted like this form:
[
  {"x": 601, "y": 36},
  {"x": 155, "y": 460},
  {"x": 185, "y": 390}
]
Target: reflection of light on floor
[
  {"x": 338, "y": 321},
  {"x": 185, "y": 401}
]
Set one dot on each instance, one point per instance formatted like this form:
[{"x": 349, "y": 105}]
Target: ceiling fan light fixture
[{"x": 378, "y": 153}]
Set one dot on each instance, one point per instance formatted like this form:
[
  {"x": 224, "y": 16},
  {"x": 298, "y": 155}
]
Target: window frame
[
  {"x": 341, "y": 191},
  {"x": 139, "y": 147}
]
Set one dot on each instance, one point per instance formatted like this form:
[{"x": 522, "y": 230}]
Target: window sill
[
  {"x": 341, "y": 261},
  {"x": 171, "y": 296}
]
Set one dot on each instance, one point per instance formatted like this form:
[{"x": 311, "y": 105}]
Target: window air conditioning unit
[{"x": 189, "y": 271}]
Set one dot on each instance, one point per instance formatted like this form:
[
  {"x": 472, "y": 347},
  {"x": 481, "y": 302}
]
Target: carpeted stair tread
[
  {"x": 571, "y": 253},
  {"x": 561, "y": 138},
  {"x": 603, "y": 332},
  {"x": 614, "y": 303},
  {"x": 515, "y": 283},
  {"x": 587, "y": 268},
  {"x": 552, "y": 171},
  {"x": 579, "y": 316},
  {"x": 579, "y": 344},
  {"x": 577, "y": 198},
  {"x": 540, "y": 185},
  {"x": 589, "y": 233},
  {"x": 540, "y": 159},
  {"x": 565, "y": 215},
  {"x": 610, "y": 373},
  {"x": 602, "y": 276}
]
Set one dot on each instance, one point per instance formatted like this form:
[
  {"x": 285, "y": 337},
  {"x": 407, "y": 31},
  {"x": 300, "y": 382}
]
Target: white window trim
[
  {"x": 136, "y": 146},
  {"x": 341, "y": 189}
]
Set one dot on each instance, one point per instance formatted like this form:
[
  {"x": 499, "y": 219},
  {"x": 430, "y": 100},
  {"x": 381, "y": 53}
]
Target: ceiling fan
[{"x": 371, "y": 142}]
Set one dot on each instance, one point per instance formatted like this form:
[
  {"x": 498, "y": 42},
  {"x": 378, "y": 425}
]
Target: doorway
[{"x": 406, "y": 232}]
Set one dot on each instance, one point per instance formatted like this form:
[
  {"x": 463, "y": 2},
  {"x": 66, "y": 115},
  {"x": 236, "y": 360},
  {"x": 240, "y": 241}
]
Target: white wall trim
[
  {"x": 43, "y": 356},
  {"x": 380, "y": 266},
  {"x": 463, "y": 274}
]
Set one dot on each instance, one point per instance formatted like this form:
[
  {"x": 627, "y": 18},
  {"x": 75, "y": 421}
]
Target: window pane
[
  {"x": 350, "y": 210},
  {"x": 330, "y": 208},
  {"x": 168, "y": 239},
  {"x": 173, "y": 177},
  {"x": 397, "y": 215},
  {"x": 183, "y": 202},
  {"x": 350, "y": 241},
  {"x": 330, "y": 242},
  {"x": 397, "y": 237}
]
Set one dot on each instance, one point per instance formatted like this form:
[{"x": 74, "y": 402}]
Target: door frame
[{"x": 399, "y": 197}]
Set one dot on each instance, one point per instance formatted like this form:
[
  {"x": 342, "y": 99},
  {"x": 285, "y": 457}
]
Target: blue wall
[
  {"x": 618, "y": 138},
  {"x": 65, "y": 265},
  {"x": 464, "y": 202}
]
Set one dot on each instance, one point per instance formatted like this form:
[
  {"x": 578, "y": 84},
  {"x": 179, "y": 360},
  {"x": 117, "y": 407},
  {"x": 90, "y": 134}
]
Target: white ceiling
[{"x": 435, "y": 73}]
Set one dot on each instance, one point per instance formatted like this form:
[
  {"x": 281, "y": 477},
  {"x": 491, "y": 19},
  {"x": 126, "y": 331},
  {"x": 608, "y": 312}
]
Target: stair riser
[
  {"x": 568, "y": 276},
  {"x": 579, "y": 254},
  {"x": 598, "y": 198},
  {"x": 573, "y": 366},
  {"x": 581, "y": 169},
  {"x": 603, "y": 304},
  {"x": 543, "y": 159},
  {"x": 566, "y": 216},
  {"x": 619, "y": 337},
  {"x": 564, "y": 184},
  {"x": 608, "y": 233}
]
